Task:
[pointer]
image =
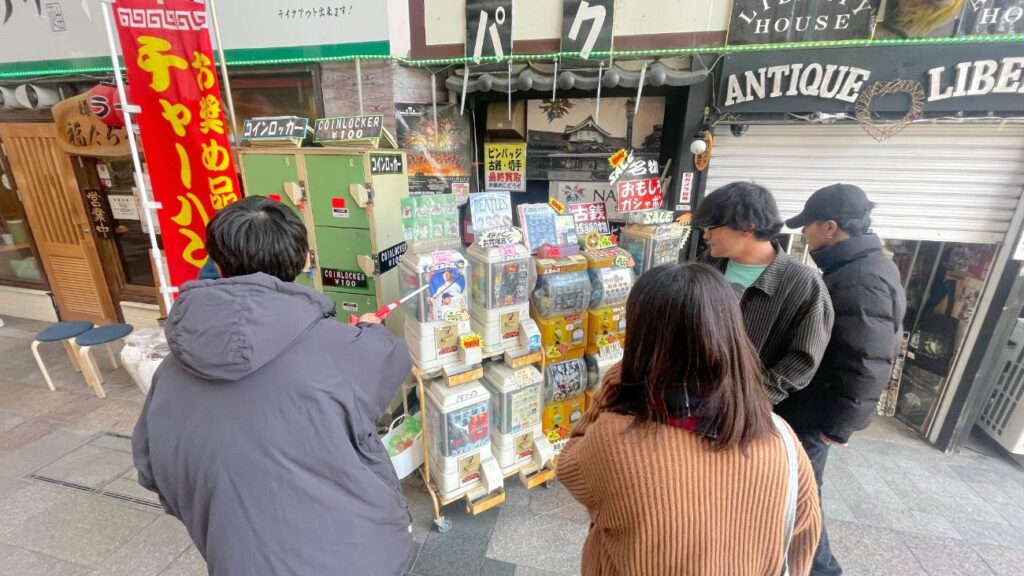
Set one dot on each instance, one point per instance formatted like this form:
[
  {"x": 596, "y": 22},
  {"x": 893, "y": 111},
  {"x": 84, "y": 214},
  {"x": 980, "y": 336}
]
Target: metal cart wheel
[
  {"x": 444, "y": 525},
  {"x": 549, "y": 484}
]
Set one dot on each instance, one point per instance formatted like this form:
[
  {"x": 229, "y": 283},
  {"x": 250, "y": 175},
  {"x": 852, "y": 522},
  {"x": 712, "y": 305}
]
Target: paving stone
[
  {"x": 863, "y": 549},
  {"x": 24, "y": 433},
  {"x": 116, "y": 416},
  {"x": 40, "y": 452},
  {"x": 20, "y": 562},
  {"x": 9, "y": 420},
  {"x": 530, "y": 571},
  {"x": 148, "y": 553},
  {"x": 837, "y": 509},
  {"x": 420, "y": 506},
  {"x": 538, "y": 541},
  {"x": 189, "y": 563},
  {"x": 84, "y": 532},
  {"x": 497, "y": 568},
  {"x": 867, "y": 512},
  {"x": 1002, "y": 561},
  {"x": 112, "y": 443},
  {"x": 461, "y": 551},
  {"x": 935, "y": 525},
  {"x": 128, "y": 485},
  {"x": 990, "y": 533},
  {"x": 88, "y": 466},
  {"x": 947, "y": 557},
  {"x": 27, "y": 500},
  {"x": 559, "y": 503}
]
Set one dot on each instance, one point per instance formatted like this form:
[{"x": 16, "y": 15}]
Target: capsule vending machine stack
[{"x": 653, "y": 238}]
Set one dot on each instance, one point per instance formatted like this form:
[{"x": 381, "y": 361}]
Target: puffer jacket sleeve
[
  {"x": 866, "y": 335},
  {"x": 384, "y": 363},
  {"x": 140, "y": 448}
]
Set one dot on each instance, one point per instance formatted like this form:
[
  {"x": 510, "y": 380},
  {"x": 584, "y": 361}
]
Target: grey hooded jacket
[{"x": 259, "y": 433}]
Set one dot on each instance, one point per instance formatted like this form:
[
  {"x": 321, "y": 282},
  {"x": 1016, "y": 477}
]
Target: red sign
[
  {"x": 169, "y": 59},
  {"x": 637, "y": 195}
]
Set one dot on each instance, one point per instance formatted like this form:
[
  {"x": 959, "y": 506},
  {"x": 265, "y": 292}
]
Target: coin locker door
[
  {"x": 337, "y": 259},
  {"x": 330, "y": 179}
]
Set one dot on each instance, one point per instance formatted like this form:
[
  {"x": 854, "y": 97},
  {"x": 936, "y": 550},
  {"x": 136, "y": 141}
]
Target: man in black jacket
[{"x": 869, "y": 305}]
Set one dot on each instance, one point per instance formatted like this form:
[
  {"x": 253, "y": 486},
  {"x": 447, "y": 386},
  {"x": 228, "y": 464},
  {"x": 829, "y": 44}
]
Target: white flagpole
[
  {"x": 224, "y": 74},
  {"x": 149, "y": 208}
]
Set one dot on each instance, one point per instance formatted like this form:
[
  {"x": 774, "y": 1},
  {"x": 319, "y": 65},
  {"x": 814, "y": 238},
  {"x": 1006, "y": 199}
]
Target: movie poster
[{"x": 440, "y": 156}]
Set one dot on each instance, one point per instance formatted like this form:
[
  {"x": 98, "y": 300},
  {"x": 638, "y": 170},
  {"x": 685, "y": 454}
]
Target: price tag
[
  {"x": 442, "y": 257},
  {"x": 522, "y": 376},
  {"x": 507, "y": 251}
]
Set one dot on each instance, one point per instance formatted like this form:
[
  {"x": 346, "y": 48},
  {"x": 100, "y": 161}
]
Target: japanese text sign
[
  {"x": 170, "y": 67},
  {"x": 638, "y": 184},
  {"x": 275, "y": 128},
  {"x": 506, "y": 167},
  {"x": 590, "y": 216}
]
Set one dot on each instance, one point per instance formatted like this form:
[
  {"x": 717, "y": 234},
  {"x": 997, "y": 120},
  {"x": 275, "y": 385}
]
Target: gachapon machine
[
  {"x": 559, "y": 306},
  {"x": 564, "y": 401},
  {"x": 515, "y": 411},
  {"x": 500, "y": 291},
  {"x": 653, "y": 239},
  {"x": 459, "y": 432},
  {"x": 437, "y": 316},
  {"x": 611, "y": 278}
]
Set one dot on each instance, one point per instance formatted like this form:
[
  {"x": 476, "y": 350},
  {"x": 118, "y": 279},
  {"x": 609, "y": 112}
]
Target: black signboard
[
  {"x": 341, "y": 128},
  {"x": 276, "y": 128},
  {"x": 992, "y": 17},
  {"x": 334, "y": 278},
  {"x": 778, "y": 21},
  {"x": 386, "y": 164},
  {"x": 388, "y": 259},
  {"x": 488, "y": 29},
  {"x": 587, "y": 26},
  {"x": 954, "y": 78}
]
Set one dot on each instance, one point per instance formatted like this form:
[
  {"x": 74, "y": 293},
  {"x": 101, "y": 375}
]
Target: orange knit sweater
[{"x": 663, "y": 503}]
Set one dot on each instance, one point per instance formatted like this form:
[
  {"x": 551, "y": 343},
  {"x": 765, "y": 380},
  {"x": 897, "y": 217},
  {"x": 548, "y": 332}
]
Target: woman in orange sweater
[{"x": 678, "y": 462}]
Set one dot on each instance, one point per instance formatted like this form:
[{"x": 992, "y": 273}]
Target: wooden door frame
[{"x": 79, "y": 219}]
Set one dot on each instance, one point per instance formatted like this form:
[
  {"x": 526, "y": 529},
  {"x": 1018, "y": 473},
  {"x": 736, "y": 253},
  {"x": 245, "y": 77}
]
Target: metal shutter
[{"x": 949, "y": 182}]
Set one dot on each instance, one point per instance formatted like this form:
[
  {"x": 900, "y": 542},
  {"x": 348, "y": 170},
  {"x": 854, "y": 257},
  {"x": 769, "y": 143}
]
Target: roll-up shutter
[{"x": 949, "y": 182}]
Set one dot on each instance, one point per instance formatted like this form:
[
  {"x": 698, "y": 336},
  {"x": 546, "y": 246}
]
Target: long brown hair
[{"x": 686, "y": 336}]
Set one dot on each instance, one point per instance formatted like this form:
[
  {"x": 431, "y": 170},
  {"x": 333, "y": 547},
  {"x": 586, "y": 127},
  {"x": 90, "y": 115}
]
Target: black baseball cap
[{"x": 835, "y": 202}]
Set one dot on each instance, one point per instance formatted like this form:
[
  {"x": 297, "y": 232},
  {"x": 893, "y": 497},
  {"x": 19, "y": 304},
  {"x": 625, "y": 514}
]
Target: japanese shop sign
[
  {"x": 590, "y": 217},
  {"x": 780, "y": 21},
  {"x": 99, "y": 212},
  {"x": 335, "y": 278},
  {"x": 389, "y": 258},
  {"x": 386, "y": 164},
  {"x": 505, "y": 167},
  {"x": 275, "y": 128},
  {"x": 587, "y": 26},
  {"x": 81, "y": 131},
  {"x": 169, "y": 61},
  {"x": 349, "y": 128},
  {"x": 488, "y": 29},
  {"x": 637, "y": 183}
]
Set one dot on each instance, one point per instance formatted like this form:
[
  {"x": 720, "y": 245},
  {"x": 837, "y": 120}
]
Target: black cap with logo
[{"x": 835, "y": 202}]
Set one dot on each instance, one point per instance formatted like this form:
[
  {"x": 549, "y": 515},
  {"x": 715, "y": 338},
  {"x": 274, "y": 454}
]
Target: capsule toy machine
[
  {"x": 611, "y": 279},
  {"x": 564, "y": 399},
  {"x": 348, "y": 195},
  {"x": 653, "y": 239},
  {"x": 559, "y": 306},
  {"x": 459, "y": 432},
  {"x": 501, "y": 274},
  {"x": 516, "y": 406},
  {"x": 437, "y": 318}
]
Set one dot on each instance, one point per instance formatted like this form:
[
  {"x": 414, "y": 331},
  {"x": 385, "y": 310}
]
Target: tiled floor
[{"x": 70, "y": 505}]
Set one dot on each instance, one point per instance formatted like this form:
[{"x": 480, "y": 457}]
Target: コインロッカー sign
[
  {"x": 778, "y": 21},
  {"x": 980, "y": 77}
]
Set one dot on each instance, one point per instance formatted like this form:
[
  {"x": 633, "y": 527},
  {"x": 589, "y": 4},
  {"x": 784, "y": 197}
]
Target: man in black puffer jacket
[{"x": 869, "y": 304}]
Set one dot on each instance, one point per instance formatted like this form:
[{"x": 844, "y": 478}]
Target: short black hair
[
  {"x": 855, "y": 226},
  {"x": 742, "y": 206},
  {"x": 257, "y": 234}
]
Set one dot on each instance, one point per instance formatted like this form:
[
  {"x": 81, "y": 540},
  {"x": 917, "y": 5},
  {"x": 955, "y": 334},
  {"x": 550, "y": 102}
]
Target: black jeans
[{"x": 825, "y": 564}]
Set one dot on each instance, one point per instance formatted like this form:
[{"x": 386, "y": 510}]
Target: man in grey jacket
[{"x": 259, "y": 430}]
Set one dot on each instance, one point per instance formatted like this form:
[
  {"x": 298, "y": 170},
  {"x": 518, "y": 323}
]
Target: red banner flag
[{"x": 169, "y": 59}]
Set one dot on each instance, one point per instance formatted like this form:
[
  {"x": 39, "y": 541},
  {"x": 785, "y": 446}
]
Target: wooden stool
[
  {"x": 100, "y": 336},
  {"x": 60, "y": 332}
]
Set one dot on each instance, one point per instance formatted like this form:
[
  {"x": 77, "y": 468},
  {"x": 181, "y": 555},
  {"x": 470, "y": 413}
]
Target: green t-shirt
[{"x": 743, "y": 276}]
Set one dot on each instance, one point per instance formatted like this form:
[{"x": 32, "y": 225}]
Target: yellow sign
[{"x": 505, "y": 166}]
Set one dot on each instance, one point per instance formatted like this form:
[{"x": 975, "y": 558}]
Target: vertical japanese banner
[
  {"x": 170, "y": 66},
  {"x": 506, "y": 167}
]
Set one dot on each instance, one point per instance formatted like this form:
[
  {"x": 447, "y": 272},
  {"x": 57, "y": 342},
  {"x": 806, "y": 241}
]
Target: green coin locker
[{"x": 350, "y": 213}]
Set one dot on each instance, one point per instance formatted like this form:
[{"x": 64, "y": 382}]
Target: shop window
[
  {"x": 290, "y": 94},
  {"x": 131, "y": 239},
  {"x": 19, "y": 264}
]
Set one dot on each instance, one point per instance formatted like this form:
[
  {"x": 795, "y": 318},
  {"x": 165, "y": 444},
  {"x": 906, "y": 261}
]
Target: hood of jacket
[
  {"x": 223, "y": 330},
  {"x": 831, "y": 258}
]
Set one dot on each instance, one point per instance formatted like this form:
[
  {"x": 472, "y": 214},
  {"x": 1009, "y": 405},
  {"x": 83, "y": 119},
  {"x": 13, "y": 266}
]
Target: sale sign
[
  {"x": 169, "y": 60},
  {"x": 637, "y": 183},
  {"x": 505, "y": 167}
]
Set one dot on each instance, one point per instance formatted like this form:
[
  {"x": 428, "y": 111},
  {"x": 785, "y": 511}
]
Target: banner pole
[
  {"x": 148, "y": 207},
  {"x": 224, "y": 74}
]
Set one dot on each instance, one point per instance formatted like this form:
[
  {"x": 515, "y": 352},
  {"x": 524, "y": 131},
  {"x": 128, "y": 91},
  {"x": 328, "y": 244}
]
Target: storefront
[{"x": 932, "y": 135}]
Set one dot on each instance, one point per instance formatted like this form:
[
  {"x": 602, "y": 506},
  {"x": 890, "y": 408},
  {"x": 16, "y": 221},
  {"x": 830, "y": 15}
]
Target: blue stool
[
  {"x": 60, "y": 332},
  {"x": 100, "y": 336}
]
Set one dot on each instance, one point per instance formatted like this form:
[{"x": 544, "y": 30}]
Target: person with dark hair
[
  {"x": 786, "y": 307},
  {"x": 680, "y": 462},
  {"x": 869, "y": 304},
  {"x": 259, "y": 431}
]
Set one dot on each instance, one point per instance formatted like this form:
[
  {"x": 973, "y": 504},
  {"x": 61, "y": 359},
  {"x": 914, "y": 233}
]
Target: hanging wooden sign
[{"x": 80, "y": 131}]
